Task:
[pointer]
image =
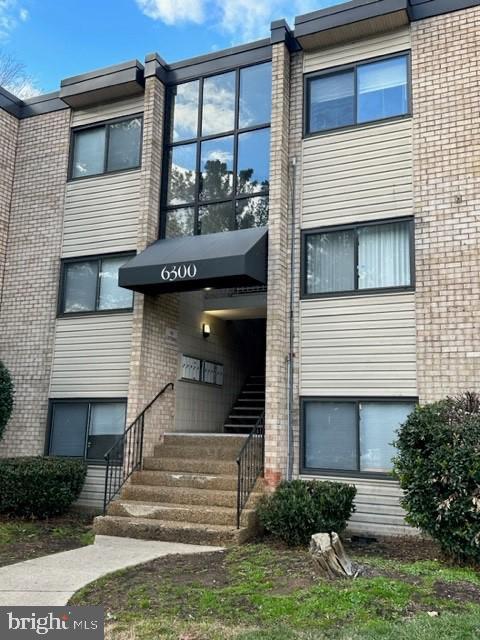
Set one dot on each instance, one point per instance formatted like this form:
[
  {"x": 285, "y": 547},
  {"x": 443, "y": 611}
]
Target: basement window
[
  {"x": 90, "y": 285},
  {"x": 106, "y": 148},
  {"x": 361, "y": 93},
  {"x": 85, "y": 429},
  {"x": 351, "y": 436}
]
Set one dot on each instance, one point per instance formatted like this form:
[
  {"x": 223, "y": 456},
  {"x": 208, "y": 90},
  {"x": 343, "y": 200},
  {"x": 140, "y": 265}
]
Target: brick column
[
  {"x": 153, "y": 357},
  {"x": 30, "y": 289},
  {"x": 445, "y": 81},
  {"x": 276, "y": 418}
]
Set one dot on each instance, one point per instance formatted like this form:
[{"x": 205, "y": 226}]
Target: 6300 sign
[{"x": 173, "y": 272}]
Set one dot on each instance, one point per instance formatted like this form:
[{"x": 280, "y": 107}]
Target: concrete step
[
  {"x": 170, "y": 531},
  {"x": 184, "y": 495},
  {"x": 181, "y": 512},
  {"x": 216, "y": 467},
  {"x": 197, "y": 452},
  {"x": 185, "y": 479},
  {"x": 237, "y": 428},
  {"x": 203, "y": 440}
]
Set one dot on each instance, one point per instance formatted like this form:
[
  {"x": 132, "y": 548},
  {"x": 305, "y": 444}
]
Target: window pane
[
  {"x": 330, "y": 262},
  {"x": 255, "y": 95},
  {"x": 330, "y": 435},
  {"x": 252, "y": 212},
  {"x": 378, "y": 424},
  {"x": 111, "y": 295},
  {"x": 216, "y": 218},
  {"x": 216, "y": 169},
  {"x": 253, "y": 161},
  {"x": 332, "y": 101},
  {"x": 180, "y": 222},
  {"x": 185, "y": 110},
  {"x": 124, "y": 144},
  {"x": 80, "y": 286},
  {"x": 69, "y": 425},
  {"x": 382, "y": 89},
  {"x": 218, "y": 104},
  {"x": 384, "y": 255},
  {"x": 182, "y": 174},
  {"x": 107, "y": 423},
  {"x": 88, "y": 152}
]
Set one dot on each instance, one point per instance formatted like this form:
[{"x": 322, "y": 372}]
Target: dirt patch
[
  {"x": 27, "y": 539},
  {"x": 406, "y": 549},
  {"x": 457, "y": 591}
]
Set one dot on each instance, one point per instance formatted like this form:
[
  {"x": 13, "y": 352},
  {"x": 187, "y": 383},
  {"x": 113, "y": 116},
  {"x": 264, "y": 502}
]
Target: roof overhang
[
  {"x": 350, "y": 21},
  {"x": 218, "y": 260}
]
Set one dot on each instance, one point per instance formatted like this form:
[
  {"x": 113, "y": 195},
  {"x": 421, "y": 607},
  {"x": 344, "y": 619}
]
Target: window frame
[
  {"x": 99, "y": 125},
  {"x": 313, "y": 75},
  {"x": 356, "y": 400},
  {"x": 88, "y": 401},
  {"x": 169, "y": 144},
  {"x": 61, "y": 313},
  {"x": 355, "y": 227}
]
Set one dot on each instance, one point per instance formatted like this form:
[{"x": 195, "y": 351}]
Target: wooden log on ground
[{"x": 329, "y": 557}]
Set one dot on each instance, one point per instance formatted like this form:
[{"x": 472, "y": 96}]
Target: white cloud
[
  {"x": 173, "y": 11},
  {"x": 243, "y": 20},
  {"x": 23, "y": 88},
  {"x": 10, "y": 14}
]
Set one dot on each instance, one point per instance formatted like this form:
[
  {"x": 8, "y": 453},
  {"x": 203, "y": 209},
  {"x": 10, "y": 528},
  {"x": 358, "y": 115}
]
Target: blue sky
[{"x": 60, "y": 38}]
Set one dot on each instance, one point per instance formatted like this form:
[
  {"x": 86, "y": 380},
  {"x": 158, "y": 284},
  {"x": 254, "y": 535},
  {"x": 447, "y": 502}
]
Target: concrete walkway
[{"x": 52, "y": 580}]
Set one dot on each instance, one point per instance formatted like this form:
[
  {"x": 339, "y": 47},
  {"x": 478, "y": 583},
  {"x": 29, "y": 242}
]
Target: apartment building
[{"x": 285, "y": 232}]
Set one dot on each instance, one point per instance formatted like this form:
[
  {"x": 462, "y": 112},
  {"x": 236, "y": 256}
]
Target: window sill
[
  {"x": 357, "y": 292},
  {"x": 314, "y": 473},
  {"x": 360, "y": 125},
  {"x": 87, "y": 314},
  {"x": 104, "y": 174}
]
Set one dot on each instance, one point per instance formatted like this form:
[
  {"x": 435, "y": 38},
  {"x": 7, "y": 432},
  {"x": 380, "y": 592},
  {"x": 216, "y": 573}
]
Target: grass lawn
[
  {"x": 27, "y": 539},
  {"x": 262, "y": 592}
]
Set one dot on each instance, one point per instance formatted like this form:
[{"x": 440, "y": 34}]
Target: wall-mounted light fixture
[{"x": 206, "y": 330}]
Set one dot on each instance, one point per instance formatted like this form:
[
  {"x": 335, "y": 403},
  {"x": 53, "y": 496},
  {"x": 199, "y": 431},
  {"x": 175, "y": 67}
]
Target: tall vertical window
[
  {"x": 358, "y": 258},
  {"x": 364, "y": 92},
  {"x": 218, "y": 154}
]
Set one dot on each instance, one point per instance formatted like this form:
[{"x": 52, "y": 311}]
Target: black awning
[{"x": 218, "y": 260}]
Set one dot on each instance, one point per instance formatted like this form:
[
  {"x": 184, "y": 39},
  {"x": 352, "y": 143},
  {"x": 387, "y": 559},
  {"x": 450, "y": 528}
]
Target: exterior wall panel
[
  {"x": 92, "y": 356},
  {"x": 92, "y": 493},
  {"x": 359, "y": 345},
  {"x": 115, "y": 109}
]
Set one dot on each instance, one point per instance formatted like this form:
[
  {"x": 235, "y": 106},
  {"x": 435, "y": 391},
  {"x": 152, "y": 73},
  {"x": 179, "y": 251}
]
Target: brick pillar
[
  {"x": 154, "y": 357},
  {"x": 30, "y": 285},
  {"x": 276, "y": 418},
  {"x": 445, "y": 81}
]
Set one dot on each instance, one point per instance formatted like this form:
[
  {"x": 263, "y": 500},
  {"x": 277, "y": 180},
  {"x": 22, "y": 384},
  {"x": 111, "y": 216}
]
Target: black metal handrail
[
  {"x": 250, "y": 464},
  {"x": 126, "y": 454}
]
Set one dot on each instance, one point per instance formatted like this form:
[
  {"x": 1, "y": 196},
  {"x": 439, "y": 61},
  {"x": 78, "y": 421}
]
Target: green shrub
[
  {"x": 39, "y": 487},
  {"x": 298, "y": 509},
  {"x": 6, "y": 397},
  {"x": 438, "y": 465}
]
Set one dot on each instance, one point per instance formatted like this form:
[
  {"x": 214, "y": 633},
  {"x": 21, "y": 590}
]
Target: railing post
[
  {"x": 105, "y": 500},
  {"x": 238, "y": 492}
]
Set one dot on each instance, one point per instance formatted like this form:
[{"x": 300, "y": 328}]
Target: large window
[
  {"x": 113, "y": 146},
  {"x": 358, "y": 258},
  {"x": 362, "y": 93},
  {"x": 217, "y": 158},
  {"x": 351, "y": 435},
  {"x": 85, "y": 429},
  {"x": 91, "y": 285}
]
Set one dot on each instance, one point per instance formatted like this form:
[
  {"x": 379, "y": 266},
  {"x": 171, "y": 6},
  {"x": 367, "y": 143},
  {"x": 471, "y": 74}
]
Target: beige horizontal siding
[
  {"x": 362, "y": 173},
  {"x": 92, "y": 356},
  {"x": 107, "y": 111},
  {"x": 371, "y": 47},
  {"x": 377, "y": 507},
  {"x": 359, "y": 345},
  {"x": 93, "y": 489},
  {"x": 101, "y": 214}
]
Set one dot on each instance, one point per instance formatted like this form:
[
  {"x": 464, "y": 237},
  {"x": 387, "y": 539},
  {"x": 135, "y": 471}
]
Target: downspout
[{"x": 291, "y": 355}]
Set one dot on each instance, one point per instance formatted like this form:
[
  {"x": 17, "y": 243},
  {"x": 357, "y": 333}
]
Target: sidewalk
[{"x": 52, "y": 580}]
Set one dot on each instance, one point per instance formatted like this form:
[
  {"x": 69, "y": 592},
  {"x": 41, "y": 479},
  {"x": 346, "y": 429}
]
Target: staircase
[
  {"x": 186, "y": 492},
  {"x": 248, "y": 407}
]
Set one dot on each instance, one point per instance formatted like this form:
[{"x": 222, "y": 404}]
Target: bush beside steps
[{"x": 40, "y": 487}]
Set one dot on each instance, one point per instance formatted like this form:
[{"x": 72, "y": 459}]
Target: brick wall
[
  {"x": 8, "y": 145},
  {"x": 445, "y": 79},
  {"x": 154, "y": 357},
  {"x": 27, "y": 315}
]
